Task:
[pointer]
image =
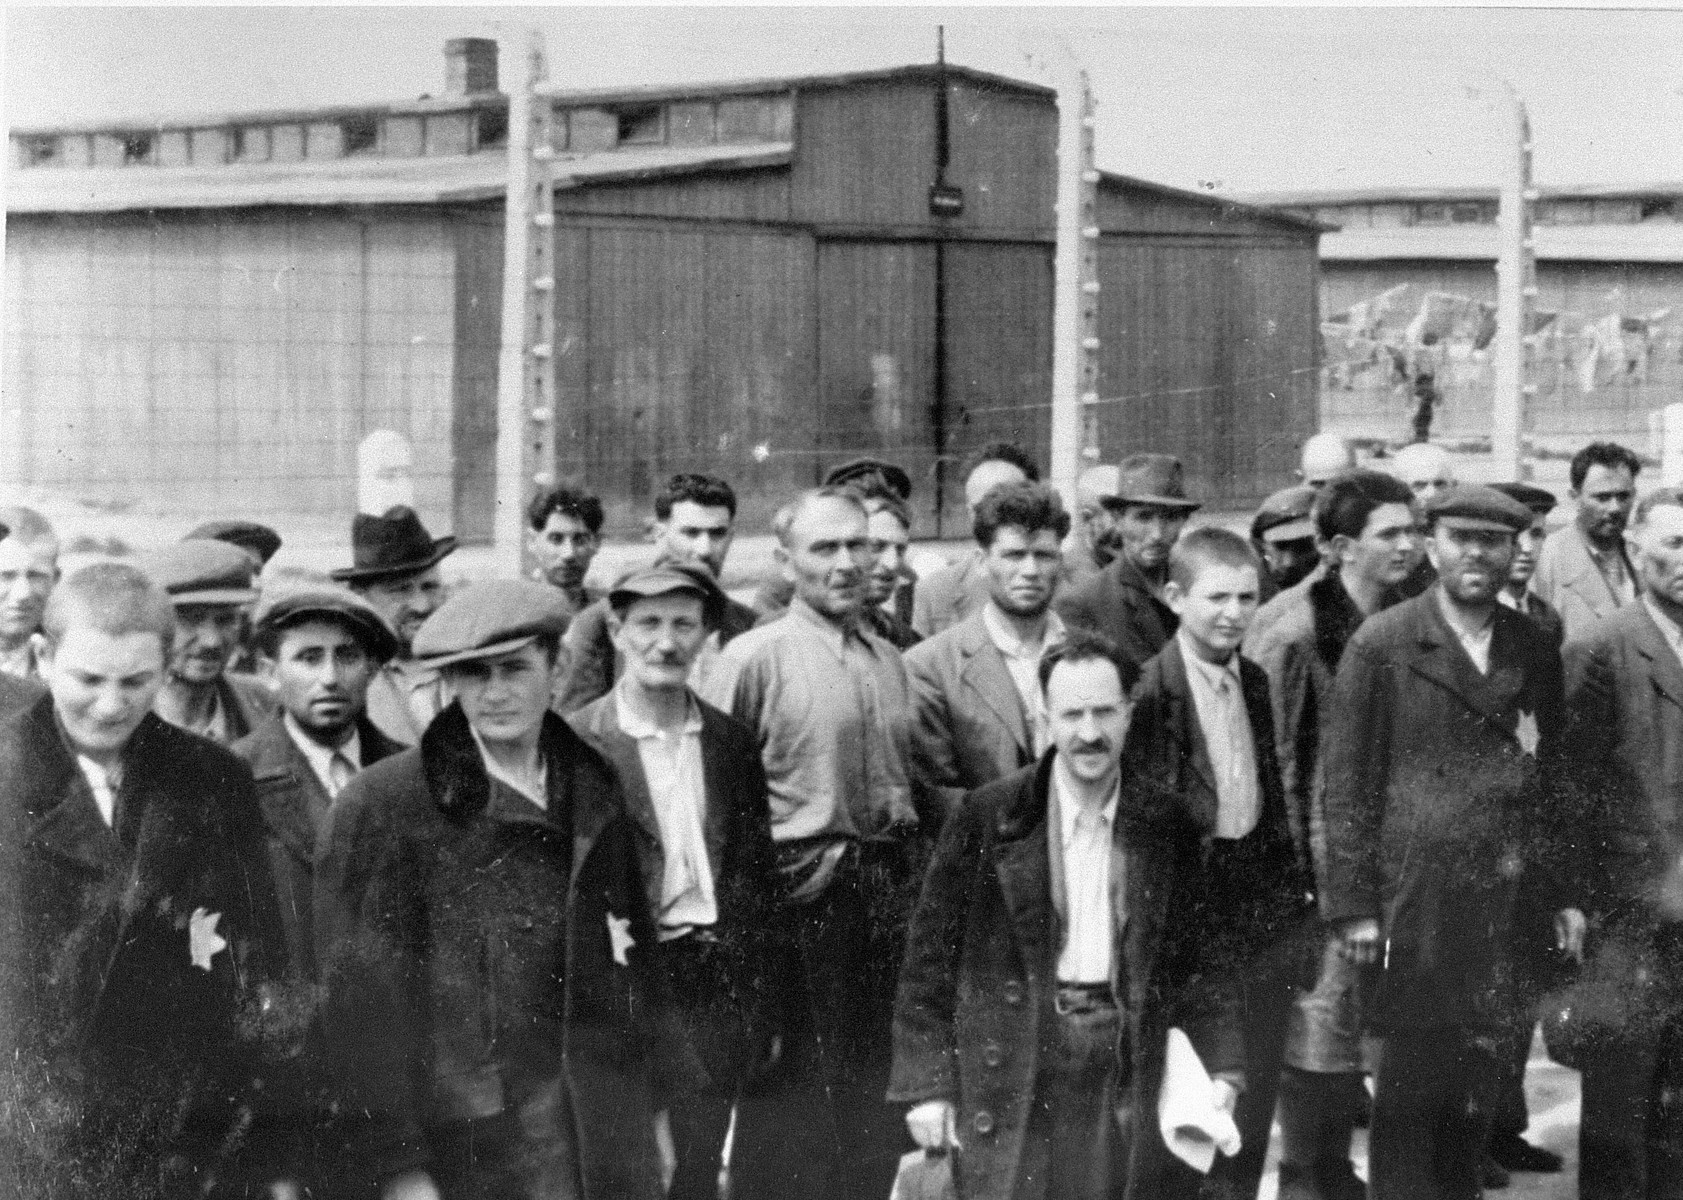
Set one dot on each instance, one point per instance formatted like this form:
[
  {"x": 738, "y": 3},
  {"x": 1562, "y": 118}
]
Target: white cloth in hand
[{"x": 1193, "y": 1125}]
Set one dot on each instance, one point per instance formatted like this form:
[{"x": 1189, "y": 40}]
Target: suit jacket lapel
[
  {"x": 1440, "y": 657},
  {"x": 1584, "y": 576},
  {"x": 294, "y": 802},
  {"x": 1663, "y": 667},
  {"x": 1188, "y": 736},
  {"x": 621, "y": 750},
  {"x": 984, "y": 672}
]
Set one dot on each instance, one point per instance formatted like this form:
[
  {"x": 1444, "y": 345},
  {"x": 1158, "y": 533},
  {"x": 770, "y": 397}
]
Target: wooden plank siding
[{"x": 864, "y": 155}]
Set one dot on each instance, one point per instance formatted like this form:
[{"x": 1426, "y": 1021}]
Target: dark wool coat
[
  {"x": 295, "y": 807},
  {"x": 1119, "y": 603},
  {"x": 128, "y": 1064},
  {"x": 1436, "y": 813},
  {"x": 730, "y": 1024},
  {"x": 486, "y": 958},
  {"x": 971, "y": 728},
  {"x": 1257, "y": 889},
  {"x": 975, "y": 1005}
]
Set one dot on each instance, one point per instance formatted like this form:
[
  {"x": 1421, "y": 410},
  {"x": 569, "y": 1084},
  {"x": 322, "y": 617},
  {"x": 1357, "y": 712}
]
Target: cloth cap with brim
[
  {"x": 202, "y": 571},
  {"x": 665, "y": 578},
  {"x": 868, "y": 470},
  {"x": 1284, "y": 516},
  {"x": 487, "y": 619},
  {"x": 1538, "y": 500},
  {"x": 395, "y": 543},
  {"x": 1152, "y": 479},
  {"x": 260, "y": 540},
  {"x": 284, "y": 609},
  {"x": 1480, "y": 507}
]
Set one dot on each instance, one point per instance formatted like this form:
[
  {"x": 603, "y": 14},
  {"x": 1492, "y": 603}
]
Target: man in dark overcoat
[
  {"x": 1625, "y": 717},
  {"x": 1124, "y": 602},
  {"x": 1036, "y": 996},
  {"x": 484, "y": 936},
  {"x": 1440, "y": 751},
  {"x": 696, "y": 792},
  {"x": 319, "y": 646},
  {"x": 138, "y": 930}
]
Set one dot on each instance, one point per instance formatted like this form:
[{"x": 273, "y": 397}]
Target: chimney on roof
[{"x": 470, "y": 66}]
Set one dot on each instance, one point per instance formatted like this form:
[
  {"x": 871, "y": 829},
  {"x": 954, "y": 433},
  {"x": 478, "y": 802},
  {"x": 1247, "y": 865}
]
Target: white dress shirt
[
  {"x": 534, "y": 787},
  {"x": 1022, "y": 661},
  {"x": 103, "y": 784},
  {"x": 334, "y": 766},
  {"x": 1219, "y": 699},
  {"x": 1476, "y": 643},
  {"x": 677, "y": 789},
  {"x": 1084, "y": 839}
]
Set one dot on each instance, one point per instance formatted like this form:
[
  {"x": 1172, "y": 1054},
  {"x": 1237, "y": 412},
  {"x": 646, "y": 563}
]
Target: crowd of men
[{"x": 343, "y": 887}]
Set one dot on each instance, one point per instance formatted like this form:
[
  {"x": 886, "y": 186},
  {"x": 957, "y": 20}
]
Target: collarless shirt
[
  {"x": 1022, "y": 661},
  {"x": 330, "y": 772},
  {"x": 832, "y": 713},
  {"x": 1083, "y": 838},
  {"x": 673, "y": 770},
  {"x": 1219, "y": 699},
  {"x": 1476, "y": 643}
]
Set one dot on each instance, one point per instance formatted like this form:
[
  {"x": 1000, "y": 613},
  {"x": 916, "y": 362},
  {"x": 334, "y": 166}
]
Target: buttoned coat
[
  {"x": 946, "y": 596},
  {"x": 975, "y": 1008},
  {"x": 970, "y": 725},
  {"x": 135, "y": 961},
  {"x": 1119, "y": 603},
  {"x": 446, "y": 911},
  {"x": 731, "y": 1027},
  {"x": 1574, "y": 586},
  {"x": 295, "y": 807},
  {"x": 1440, "y": 807}
]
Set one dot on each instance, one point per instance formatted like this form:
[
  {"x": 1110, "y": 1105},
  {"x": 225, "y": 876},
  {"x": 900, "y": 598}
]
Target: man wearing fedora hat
[
  {"x": 394, "y": 567},
  {"x": 320, "y": 645},
  {"x": 209, "y": 584},
  {"x": 1124, "y": 602},
  {"x": 697, "y": 792},
  {"x": 484, "y": 938}
]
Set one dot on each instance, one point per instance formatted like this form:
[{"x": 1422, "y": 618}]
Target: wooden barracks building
[{"x": 750, "y": 280}]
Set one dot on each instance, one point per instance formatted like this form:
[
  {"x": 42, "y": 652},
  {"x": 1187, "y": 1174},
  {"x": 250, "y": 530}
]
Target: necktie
[{"x": 339, "y": 773}]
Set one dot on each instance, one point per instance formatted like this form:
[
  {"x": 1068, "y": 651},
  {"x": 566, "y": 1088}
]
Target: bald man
[
  {"x": 1429, "y": 471},
  {"x": 1325, "y": 455},
  {"x": 1095, "y": 494}
]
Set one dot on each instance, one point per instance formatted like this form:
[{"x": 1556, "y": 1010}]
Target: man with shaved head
[
  {"x": 1429, "y": 472},
  {"x": 830, "y": 706},
  {"x": 947, "y": 596},
  {"x": 1325, "y": 455},
  {"x": 28, "y": 570},
  {"x": 1095, "y": 494}
]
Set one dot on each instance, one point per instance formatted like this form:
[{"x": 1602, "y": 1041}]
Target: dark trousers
[
  {"x": 1630, "y": 1140},
  {"x": 1073, "y": 1148},
  {"x": 818, "y": 1125},
  {"x": 714, "y": 1023},
  {"x": 1428, "y": 1125},
  {"x": 1268, "y": 999},
  {"x": 528, "y": 1152}
]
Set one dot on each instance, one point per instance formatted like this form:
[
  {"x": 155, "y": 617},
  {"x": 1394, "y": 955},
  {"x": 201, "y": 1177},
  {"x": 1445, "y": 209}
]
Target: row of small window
[{"x": 1546, "y": 212}]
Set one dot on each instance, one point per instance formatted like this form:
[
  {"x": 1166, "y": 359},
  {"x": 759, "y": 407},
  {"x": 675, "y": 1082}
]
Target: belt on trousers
[{"x": 1075, "y": 998}]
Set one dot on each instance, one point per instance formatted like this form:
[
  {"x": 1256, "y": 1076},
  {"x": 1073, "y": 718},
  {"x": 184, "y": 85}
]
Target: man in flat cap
[
  {"x": 319, "y": 646},
  {"x": 209, "y": 583},
  {"x": 694, "y": 521},
  {"x": 1446, "y": 835},
  {"x": 28, "y": 571},
  {"x": 697, "y": 793},
  {"x": 1527, "y": 548},
  {"x": 1284, "y": 538},
  {"x": 395, "y": 569},
  {"x": 259, "y": 541},
  {"x": 945, "y": 597},
  {"x": 485, "y": 940},
  {"x": 1124, "y": 602},
  {"x": 138, "y": 930}
]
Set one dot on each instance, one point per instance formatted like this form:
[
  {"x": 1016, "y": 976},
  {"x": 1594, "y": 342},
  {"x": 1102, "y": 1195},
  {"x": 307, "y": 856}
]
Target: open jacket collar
[
  {"x": 1664, "y": 669},
  {"x": 295, "y": 813},
  {"x": 1436, "y": 654},
  {"x": 983, "y": 670}
]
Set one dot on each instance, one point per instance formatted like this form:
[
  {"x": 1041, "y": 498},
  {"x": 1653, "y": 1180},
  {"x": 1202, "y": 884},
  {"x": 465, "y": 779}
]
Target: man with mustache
[
  {"x": 1124, "y": 602},
  {"x": 1058, "y": 938},
  {"x": 1583, "y": 571},
  {"x": 28, "y": 571},
  {"x": 1202, "y": 743},
  {"x": 830, "y": 706},
  {"x": 979, "y": 715},
  {"x": 696, "y": 790},
  {"x": 1442, "y": 756},
  {"x": 394, "y": 567},
  {"x": 1366, "y": 522},
  {"x": 320, "y": 646},
  {"x": 210, "y": 584}
]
